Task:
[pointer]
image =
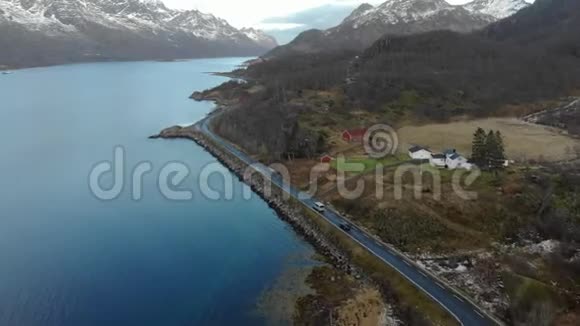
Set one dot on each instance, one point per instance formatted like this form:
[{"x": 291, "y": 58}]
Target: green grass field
[{"x": 357, "y": 165}]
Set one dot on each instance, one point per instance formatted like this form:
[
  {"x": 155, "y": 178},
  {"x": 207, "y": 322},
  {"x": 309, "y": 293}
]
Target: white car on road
[{"x": 319, "y": 207}]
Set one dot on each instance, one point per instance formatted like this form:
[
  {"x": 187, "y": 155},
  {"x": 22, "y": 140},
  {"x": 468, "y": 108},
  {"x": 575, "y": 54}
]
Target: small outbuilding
[
  {"x": 326, "y": 158},
  {"x": 354, "y": 135},
  {"x": 419, "y": 153}
]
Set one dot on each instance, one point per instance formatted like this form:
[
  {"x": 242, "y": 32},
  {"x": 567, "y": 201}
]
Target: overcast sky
[{"x": 244, "y": 13}]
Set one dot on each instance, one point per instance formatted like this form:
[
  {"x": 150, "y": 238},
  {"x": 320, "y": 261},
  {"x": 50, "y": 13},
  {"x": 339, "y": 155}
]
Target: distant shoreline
[{"x": 21, "y": 67}]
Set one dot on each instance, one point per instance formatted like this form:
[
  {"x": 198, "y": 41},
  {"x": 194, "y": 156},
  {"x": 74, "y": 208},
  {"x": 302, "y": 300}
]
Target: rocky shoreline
[{"x": 286, "y": 211}]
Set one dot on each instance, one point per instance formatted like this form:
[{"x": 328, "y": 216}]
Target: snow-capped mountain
[
  {"x": 260, "y": 37},
  {"x": 38, "y": 31},
  {"x": 498, "y": 9},
  {"x": 401, "y": 11},
  {"x": 359, "y": 12},
  {"x": 401, "y": 17}
]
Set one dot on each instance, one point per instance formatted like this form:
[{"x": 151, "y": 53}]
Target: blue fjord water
[{"x": 67, "y": 258}]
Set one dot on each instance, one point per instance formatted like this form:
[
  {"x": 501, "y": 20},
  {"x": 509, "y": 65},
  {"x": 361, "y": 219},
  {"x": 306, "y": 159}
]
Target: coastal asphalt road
[{"x": 466, "y": 313}]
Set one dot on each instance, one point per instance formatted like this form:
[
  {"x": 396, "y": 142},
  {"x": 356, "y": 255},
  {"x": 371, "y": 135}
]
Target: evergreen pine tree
[
  {"x": 499, "y": 152},
  {"x": 490, "y": 150},
  {"x": 495, "y": 150},
  {"x": 478, "y": 148}
]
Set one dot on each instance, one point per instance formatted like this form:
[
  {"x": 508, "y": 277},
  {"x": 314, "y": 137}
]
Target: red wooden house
[{"x": 354, "y": 135}]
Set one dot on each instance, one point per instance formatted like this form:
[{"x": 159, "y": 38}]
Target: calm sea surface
[{"x": 67, "y": 258}]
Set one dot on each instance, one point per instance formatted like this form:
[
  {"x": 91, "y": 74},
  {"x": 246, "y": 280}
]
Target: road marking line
[
  {"x": 439, "y": 285},
  {"x": 458, "y": 298},
  {"x": 477, "y": 312},
  {"x": 423, "y": 274},
  {"x": 404, "y": 261}
]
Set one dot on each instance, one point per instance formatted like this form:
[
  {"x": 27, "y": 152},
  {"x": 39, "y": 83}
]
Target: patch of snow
[
  {"x": 259, "y": 37},
  {"x": 252, "y": 34},
  {"x": 399, "y": 11},
  {"x": 406, "y": 11},
  {"x": 496, "y": 8}
]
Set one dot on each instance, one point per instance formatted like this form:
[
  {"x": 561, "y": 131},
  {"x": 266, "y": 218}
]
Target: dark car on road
[{"x": 346, "y": 227}]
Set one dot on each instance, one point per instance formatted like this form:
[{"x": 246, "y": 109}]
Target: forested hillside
[
  {"x": 551, "y": 24},
  {"x": 530, "y": 56},
  {"x": 457, "y": 74},
  {"x": 266, "y": 117},
  {"x": 527, "y": 58}
]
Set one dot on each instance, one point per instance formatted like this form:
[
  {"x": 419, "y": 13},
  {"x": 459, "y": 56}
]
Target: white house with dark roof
[
  {"x": 419, "y": 153},
  {"x": 449, "y": 159},
  {"x": 456, "y": 161},
  {"x": 438, "y": 160}
]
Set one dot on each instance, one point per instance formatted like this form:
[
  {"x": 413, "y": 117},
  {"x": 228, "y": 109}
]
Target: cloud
[
  {"x": 250, "y": 13},
  {"x": 319, "y": 17},
  {"x": 278, "y": 26},
  {"x": 253, "y": 12}
]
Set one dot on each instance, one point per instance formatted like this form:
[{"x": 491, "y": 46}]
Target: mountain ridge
[
  {"x": 368, "y": 23},
  {"x": 496, "y": 8},
  {"x": 95, "y": 30}
]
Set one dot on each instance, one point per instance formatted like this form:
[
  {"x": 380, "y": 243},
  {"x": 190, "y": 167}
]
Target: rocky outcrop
[
  {"x": 176, "y": 132},
  {"x": 565, "y": 117},
  {"x": 205, "y": 96},
  {"x": 198, "y": 96}
]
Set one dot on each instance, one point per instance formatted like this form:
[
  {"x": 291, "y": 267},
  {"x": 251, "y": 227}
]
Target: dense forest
[
  {"x": 266, "y": 124},
  {"x": 550, "y": 24},
  {"x": 306, "y": 71},
  {"x": 455, "y": 73},
  {"x": 530, "y": 56}
]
